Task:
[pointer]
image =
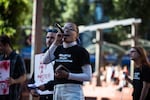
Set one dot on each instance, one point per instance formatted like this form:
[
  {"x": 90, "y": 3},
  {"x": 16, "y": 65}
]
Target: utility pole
[{"x": 36, "y": 32}]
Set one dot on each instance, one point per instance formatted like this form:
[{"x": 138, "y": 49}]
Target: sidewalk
[
  {"x": 93, "y": 92},
  {"x": 106, "y": 93}
]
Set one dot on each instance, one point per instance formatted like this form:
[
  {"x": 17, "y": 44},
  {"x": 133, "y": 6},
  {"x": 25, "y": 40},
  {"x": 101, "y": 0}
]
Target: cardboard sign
[
  {"x": 42, "y": 73},
  {"x": 4, "y": 74}
]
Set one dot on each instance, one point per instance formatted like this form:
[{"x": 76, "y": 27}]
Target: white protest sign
[
  {"x": 4, "y": 74},
  {"x": 42, "y": 73}
]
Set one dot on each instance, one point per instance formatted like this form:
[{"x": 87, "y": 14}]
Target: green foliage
[
  {"x": 78, "y": 11},
  {"x": 123, "y": 9},
  {"x": 116, "y": 34},
  {"x": 51, "y": 14},
  {"x": 141, "y": 10},
  {"x": 107, "y": 7},
  {"x": 133, "y": 8},
  {"x": 17, "y": 13},
  {"x": 13, "y": 14}
]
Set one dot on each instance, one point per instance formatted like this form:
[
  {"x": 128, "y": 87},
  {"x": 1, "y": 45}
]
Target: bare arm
[
  {"x": 129, "y": 79},
  {"x": 19, "y": 80}
]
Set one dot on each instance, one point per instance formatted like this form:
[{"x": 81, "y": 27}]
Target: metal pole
[
  {"x": 98, "y": 55},
  {"x": 134, "y": 32}
]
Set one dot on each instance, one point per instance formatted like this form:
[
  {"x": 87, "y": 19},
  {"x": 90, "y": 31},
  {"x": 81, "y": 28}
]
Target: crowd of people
[{"x": 71, "y": 65}]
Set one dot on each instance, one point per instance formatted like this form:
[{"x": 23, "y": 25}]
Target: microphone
[{"x": 59, "y": 27}]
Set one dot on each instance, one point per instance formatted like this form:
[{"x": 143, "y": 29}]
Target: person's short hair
[
  {"x": 4, "y": 39},
  {"x": 52, "y": 30}
]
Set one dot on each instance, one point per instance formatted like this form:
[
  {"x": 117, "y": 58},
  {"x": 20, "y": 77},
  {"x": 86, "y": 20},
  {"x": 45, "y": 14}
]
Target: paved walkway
[
  {"x": 106, "y": 93},
  {"x": 93, "y": 92}
]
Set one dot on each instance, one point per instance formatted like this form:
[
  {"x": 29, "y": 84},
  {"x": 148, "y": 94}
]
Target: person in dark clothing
[
  {"x": 141, "y": 80},
  {"x": 17, "y": 69},
  {"x": 136, "y": 82},
  {"x": 145, "y": 93},
  {"x": 50, "y": 37},
  {"x": 72, "y": 64}
]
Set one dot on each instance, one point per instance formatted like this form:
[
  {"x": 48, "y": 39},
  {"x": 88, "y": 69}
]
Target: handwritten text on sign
[{"x": 43, "y": 72}]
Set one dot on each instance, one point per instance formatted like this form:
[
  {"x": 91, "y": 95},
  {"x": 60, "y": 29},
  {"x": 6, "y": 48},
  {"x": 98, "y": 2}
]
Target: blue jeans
[{"x": 68, "y": 92}]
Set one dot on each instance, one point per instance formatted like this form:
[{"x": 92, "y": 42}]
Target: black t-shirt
[
  {"x": 73, "y": 58},
  {"x": 146, "y": 73},
  {"x": 146, "y": 77},
  {"x": 137, "y": 84}
]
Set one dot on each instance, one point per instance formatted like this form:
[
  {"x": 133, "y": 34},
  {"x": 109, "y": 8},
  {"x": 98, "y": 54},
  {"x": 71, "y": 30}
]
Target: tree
[
  {"x": 61, "y": 11},
  {"x": 51, "y": 13},
  {"x": 133, "y": 8},
  {"x": 122, "y": 9},
  {"x": 13, "y": 14}
]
